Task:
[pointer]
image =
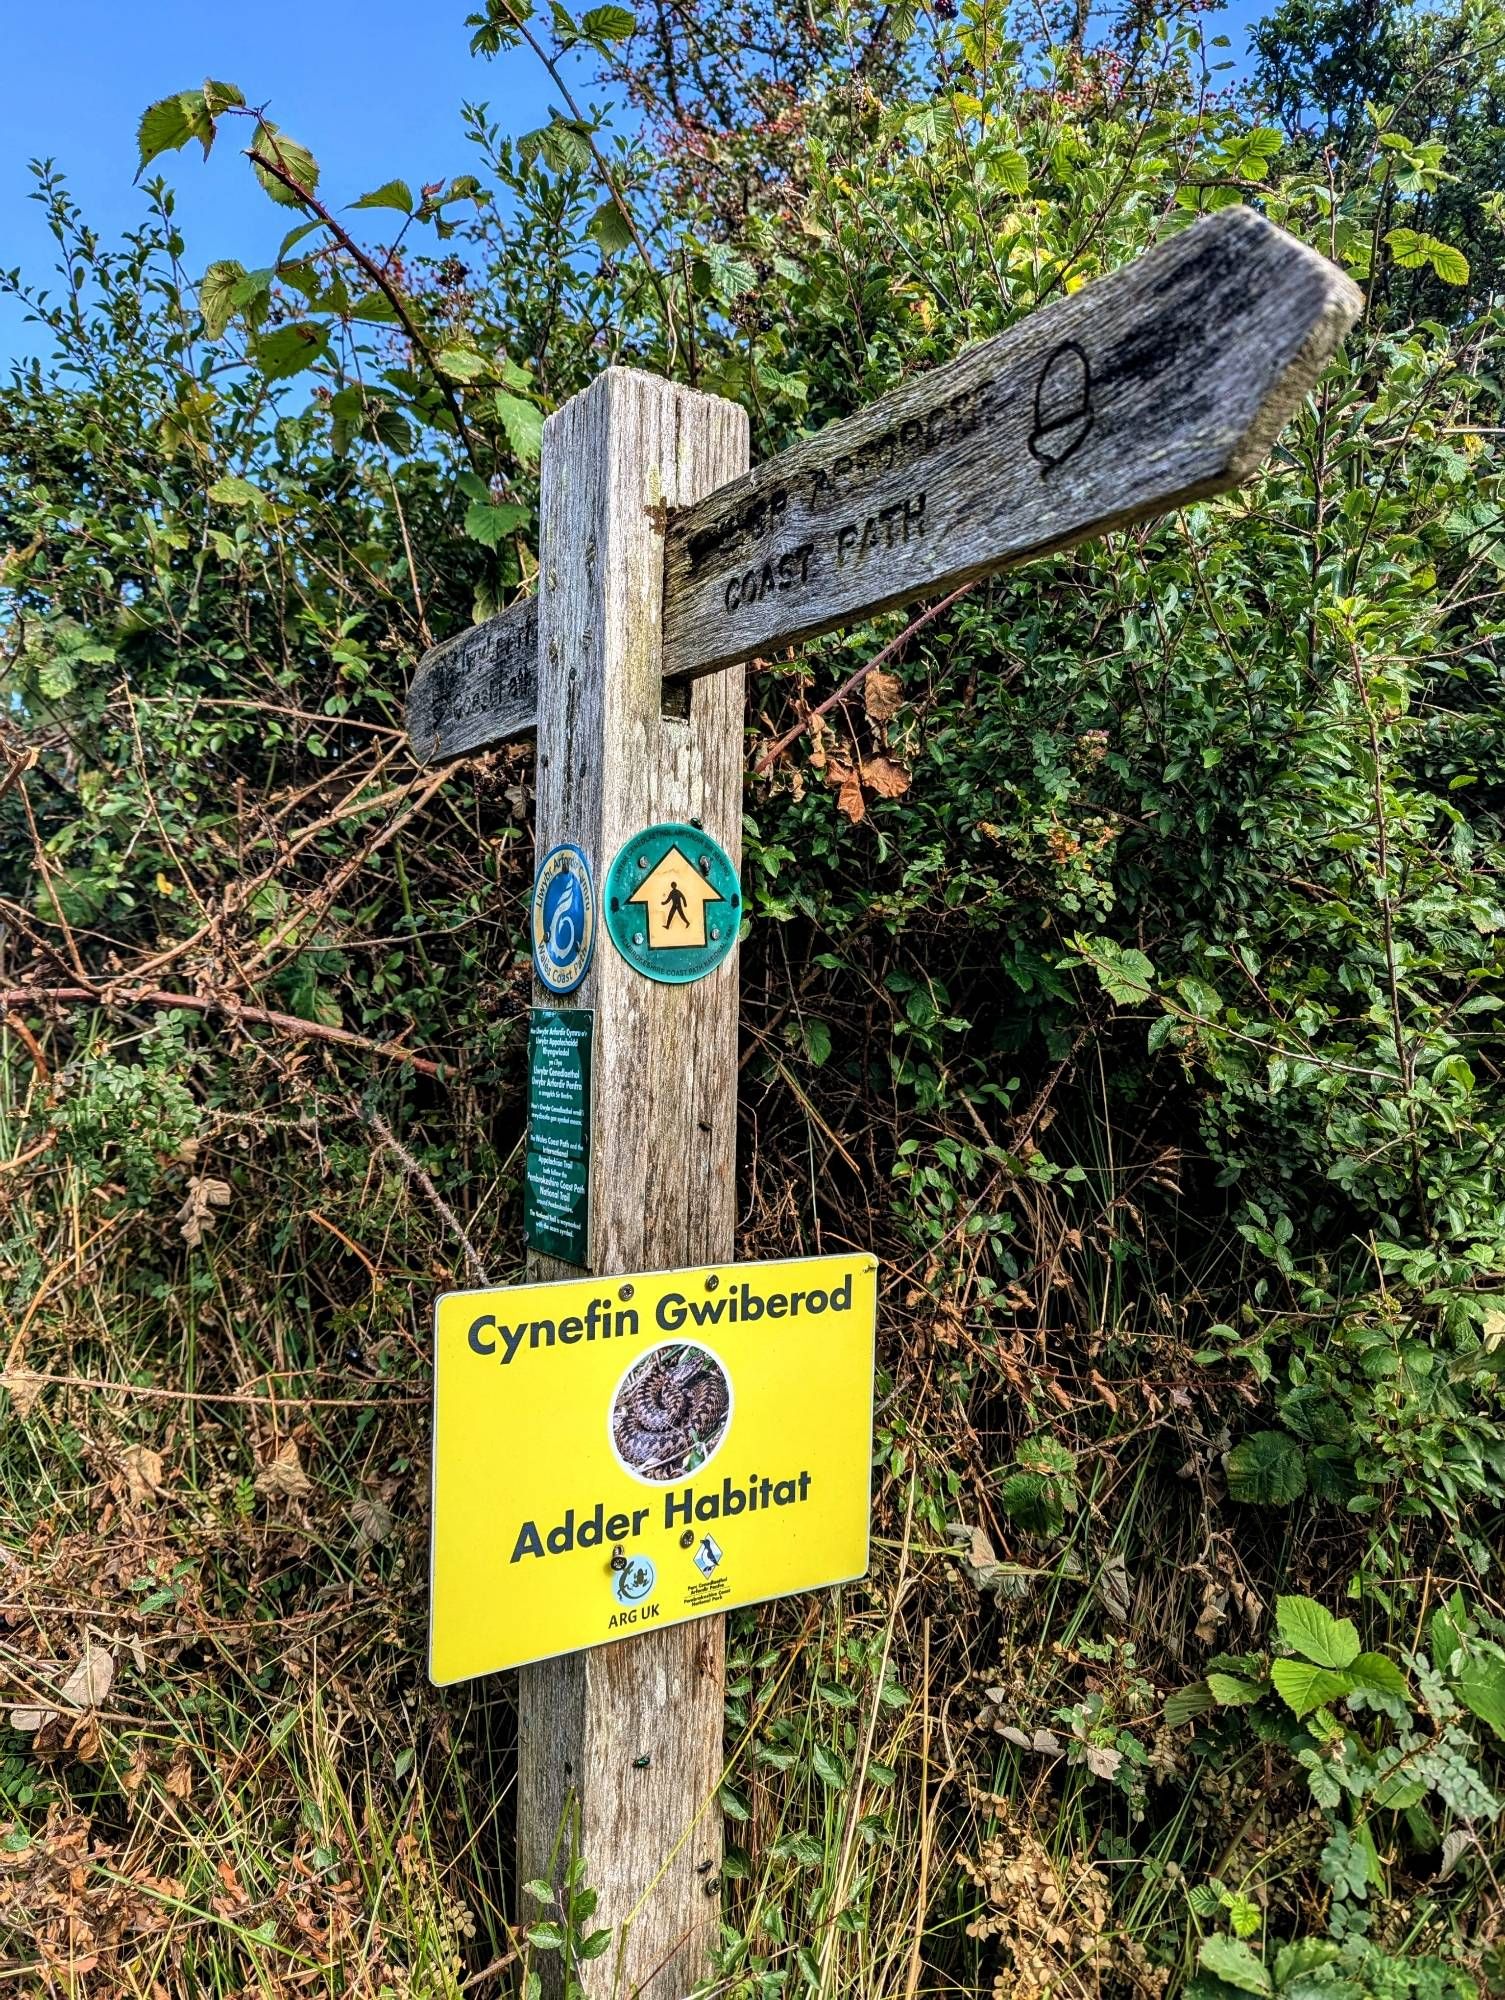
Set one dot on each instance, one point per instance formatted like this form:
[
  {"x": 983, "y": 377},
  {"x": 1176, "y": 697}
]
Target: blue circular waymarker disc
[
  {"x": 564, "y": 919},
  {"x": 673, "y": 905}
]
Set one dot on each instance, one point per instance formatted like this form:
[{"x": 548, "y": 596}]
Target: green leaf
[
  {"x": 1447, "y": 1628},
  {"x": 1305, "y": 1955},
  {"x": 594, "y": 1945},
  {"x": 391, "y": 194},
  {"x": 523, "y": 423},
  {"x": 609, "y": 226},
  {"x": 1010, "y": 171},
  {"x": 1266, "y": 1470},
  {"x": 539, "y": 1890},
  {"x": 1374, "y": 1672},
  {"x": 374, "y": 309},
  {"x": 1126, "y": 975},
  {"x": 1303, "y": 1687},
  {"x": 220, "y": 96},
  {"x": 291, "y": 157},
  {"x": 1481, "y": 1689},
  {"x": 732, "y": 276},
  {"x": 462, "y": 364},
  {"x": 564, "y": 143},
  {"x": 232, "y": 491},
  {"x": 1231, "y": 1960},
  {"x": 607, "y": 24},
  {"x": 385, "y": 426},
  {"x": 1345, "y": 1864},
  {"x": 1310, "y": 1629},
  {"x": 289, "y": 349},
  {"x": 1187, "y": 1703},
  {"x": 1229, "y": 1691},
  {"x": 829, "y": 1766},
  {"x": 1413, "y": 248},
  {"x": 817, "y": 1040},
  {"x": 490, "y": 525},
  {"x": 548, "y": 1936},
  {"x": 171, "y": 122},
  {"x": 217, "y": 295}
]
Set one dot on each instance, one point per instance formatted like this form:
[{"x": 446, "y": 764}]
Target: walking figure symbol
[{"x": 675, "y": 904}]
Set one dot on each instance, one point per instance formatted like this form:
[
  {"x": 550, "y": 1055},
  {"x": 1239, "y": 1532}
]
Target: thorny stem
[
  {"x": 603, "y": 170},
  {"x": 390, "y": 292},
  {"x": 124, "y": 995},
  {"x": 1403, "y": 1056},
  {"x": 931, "y": 612}
]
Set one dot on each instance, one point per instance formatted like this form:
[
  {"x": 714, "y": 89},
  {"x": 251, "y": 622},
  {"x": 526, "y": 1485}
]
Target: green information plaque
[{"x": 556, "y": 1178}]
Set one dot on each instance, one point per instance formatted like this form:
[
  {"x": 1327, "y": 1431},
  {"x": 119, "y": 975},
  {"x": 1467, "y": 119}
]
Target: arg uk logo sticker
[
  {"x": 564, "y": 919},
  {"x": 632, "y": 1582}
]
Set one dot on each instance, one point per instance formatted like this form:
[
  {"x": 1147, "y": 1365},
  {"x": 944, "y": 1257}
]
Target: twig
[
  {"x": 442, "y": 1208},
  {"x": 912, "y": 1982},
  {"x": 519, "y": 21},
  {"x": 277, "y": 1399},
  {"x": 19, "y": 1028},
  {"x": 392, "y": 293},
  {"x": 927, "y": 616},
  {"x": 125, "y": 997}
]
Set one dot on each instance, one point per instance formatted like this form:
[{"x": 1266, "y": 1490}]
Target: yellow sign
[
  {"x": 616, "y": 1454},
  {"x": 674, "y": 897}
]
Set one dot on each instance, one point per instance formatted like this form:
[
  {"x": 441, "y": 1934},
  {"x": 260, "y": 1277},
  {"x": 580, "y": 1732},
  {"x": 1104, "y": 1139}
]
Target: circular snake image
[{"x": 670, "y": 1411}]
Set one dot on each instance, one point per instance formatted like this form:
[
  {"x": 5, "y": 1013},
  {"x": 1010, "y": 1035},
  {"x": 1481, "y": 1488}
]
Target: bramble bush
[{"x": 1124, "y": 965}]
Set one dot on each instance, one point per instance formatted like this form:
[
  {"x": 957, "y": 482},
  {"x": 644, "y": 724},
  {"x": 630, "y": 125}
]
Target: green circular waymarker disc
[{"x": 673, "y": 904}]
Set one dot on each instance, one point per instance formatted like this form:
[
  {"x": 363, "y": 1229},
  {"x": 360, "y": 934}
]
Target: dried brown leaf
[
  {"x": 283, "y": 1474},
  {"x": 88, "y": 1686},
  {"x": 882, "y": 696},
  {"x": 195, "y": 1218},
  {"x": 849, "y": 797},
  {"x": 143, "y": 1473},
  {"x": 886, "y": 776},
  {"x": 25, "y": 1389},
  {"x": 373, "y": 1519}
]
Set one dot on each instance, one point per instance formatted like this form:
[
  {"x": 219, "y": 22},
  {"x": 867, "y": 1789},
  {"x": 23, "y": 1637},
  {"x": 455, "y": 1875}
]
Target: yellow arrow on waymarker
[{"x": 675, "y": 894}]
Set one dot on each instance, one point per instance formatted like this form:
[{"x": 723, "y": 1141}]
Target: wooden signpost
[{"x": 665, "y": 564}]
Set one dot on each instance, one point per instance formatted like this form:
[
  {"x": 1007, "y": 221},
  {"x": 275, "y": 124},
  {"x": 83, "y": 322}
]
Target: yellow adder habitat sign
[{"x": 615, "y": 1454}]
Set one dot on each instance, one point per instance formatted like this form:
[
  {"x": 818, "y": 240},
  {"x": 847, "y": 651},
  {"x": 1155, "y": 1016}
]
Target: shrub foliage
[{"x": 1124, "y": 965}]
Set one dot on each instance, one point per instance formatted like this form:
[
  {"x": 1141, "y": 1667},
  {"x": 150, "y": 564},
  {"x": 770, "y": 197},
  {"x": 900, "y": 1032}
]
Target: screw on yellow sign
[{"x": 616, "y": 1454}]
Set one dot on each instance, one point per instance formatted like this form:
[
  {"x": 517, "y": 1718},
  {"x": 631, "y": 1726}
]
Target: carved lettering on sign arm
[{"x": 1164, "y": 382}]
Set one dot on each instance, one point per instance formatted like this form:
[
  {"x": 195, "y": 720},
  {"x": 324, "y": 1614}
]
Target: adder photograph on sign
[{"x": 615, "y": 1455}]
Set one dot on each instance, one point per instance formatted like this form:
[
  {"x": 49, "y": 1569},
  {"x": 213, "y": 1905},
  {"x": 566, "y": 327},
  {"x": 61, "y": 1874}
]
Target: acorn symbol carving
[{"x": 1063, "y": 406}]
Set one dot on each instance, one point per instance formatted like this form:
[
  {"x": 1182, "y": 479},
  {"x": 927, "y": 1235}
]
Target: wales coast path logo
[{"x": 564, "y": 919}]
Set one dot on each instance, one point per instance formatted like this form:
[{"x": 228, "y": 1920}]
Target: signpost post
[{"x": 664, "y": 564}]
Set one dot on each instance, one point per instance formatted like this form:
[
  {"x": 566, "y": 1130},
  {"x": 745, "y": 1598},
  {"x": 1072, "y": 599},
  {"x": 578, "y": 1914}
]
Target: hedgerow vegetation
[{"x": 1124, "y": 966}]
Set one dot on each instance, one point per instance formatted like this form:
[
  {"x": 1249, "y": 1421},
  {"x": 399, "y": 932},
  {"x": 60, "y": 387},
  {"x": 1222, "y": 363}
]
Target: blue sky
[{"x": 374, "y": 90}]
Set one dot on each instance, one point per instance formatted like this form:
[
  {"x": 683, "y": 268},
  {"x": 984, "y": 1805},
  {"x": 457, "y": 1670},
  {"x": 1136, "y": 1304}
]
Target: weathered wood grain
[
  {"x": 1162, "y": 383},
  {"x": 634, "y": 1731},
  {"x": 477, "y": 689}
]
